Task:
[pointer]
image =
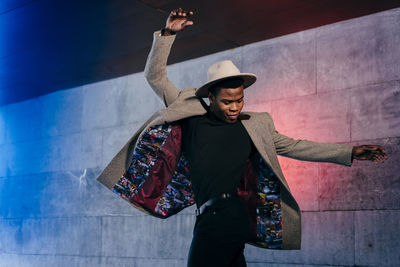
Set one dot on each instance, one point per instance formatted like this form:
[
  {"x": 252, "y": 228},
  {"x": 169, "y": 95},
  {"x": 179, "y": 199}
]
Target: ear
[{"x": 211, "y": 97}]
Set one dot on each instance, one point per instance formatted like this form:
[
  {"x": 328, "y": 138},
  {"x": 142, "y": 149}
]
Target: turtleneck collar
[{"x": 213, "y": 118}]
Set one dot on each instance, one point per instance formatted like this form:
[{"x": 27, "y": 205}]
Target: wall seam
[
  {"x": 351, "y": 114},
  {"x": 354, "y": 238},
  {"x": 316, "y": 61}
]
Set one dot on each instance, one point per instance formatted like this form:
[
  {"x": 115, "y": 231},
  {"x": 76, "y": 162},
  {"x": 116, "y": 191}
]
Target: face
[{"x": 227, "y": 104}]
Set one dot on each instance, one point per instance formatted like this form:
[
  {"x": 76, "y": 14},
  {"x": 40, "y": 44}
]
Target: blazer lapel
[
  {"x": 252, "y": 128},
  {"x": 263, "y": 142}
]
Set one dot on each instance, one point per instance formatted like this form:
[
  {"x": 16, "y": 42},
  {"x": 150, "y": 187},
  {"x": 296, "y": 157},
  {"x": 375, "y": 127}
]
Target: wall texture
[{"x": 338, "y": 83}]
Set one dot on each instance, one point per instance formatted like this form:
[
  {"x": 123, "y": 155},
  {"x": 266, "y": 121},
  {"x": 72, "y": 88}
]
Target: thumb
[{"x": 187, "y": 23}]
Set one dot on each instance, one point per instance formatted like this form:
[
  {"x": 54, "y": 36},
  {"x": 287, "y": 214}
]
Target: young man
[{"x": 218, "y": 157}]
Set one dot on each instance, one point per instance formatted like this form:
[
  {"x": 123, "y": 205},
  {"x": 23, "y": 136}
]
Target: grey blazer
[{"x": 259, "y": 125}]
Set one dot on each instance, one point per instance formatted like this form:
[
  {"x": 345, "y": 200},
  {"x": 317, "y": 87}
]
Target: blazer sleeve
[
  {"x": 310, "y": 151},
  {"x": 156, "y": 68}
]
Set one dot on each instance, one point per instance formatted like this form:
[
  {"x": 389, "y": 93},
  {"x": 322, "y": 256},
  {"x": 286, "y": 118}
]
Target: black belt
[{"x": 212, "y": 200}]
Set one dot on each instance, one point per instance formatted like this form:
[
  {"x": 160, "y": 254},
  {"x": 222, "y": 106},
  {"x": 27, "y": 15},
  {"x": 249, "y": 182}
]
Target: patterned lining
[
  {"x": 269, "y": 216},
  {"x": 144, "y": 157},
  {"x": 179, "y": 193}
]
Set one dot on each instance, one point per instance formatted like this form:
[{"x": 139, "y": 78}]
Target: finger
[
  {"x": 383, "y": 152},
  {"x": 187, "y": 12},
  {"x": 379, "y": 158},
  {"x": 382, "y": 155}
]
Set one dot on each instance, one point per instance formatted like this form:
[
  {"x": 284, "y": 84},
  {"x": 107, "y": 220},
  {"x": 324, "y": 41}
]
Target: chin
[{"x": 230, "y": 121}]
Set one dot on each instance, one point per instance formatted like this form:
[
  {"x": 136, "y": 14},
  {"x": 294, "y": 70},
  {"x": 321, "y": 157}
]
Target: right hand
[{"x": 178, "y": 20}]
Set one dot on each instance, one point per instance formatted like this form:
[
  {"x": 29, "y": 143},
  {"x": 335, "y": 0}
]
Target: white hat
[{"x": 223, "y": 70}]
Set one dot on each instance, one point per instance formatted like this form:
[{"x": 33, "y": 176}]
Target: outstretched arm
[
  {"x": 156, "y": 64},
  {"x": 325, "y": 152},
  {"x": 310, "y": 151}
]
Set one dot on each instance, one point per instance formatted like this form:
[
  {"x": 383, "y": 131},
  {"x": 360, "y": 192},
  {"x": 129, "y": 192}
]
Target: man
[{"x": 218, "y": 157}]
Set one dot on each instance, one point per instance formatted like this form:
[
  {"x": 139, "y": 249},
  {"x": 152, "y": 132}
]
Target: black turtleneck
[{"x": 217, "y": 152}]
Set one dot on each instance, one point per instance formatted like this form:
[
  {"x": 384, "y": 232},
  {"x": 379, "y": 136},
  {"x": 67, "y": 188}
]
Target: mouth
[{"x": 232, "y": 116}]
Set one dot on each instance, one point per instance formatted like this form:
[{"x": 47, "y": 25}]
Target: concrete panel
[
  {"x": 81, "y": 151},
  {"x": 320, "y": 118},
  {"x": 265, "y": 106},
  {"x": 91, "y": 154},
  {"x": 138, "y": 101},
  {"x": 114, "y": 139},
  {"x": 285, "y": 67},
  {"x": 147, "y": 236},
  {"x": 4, "y": 154},
  {"x": 193, "y": 73},
  {"x": 43, "y": 155},
  {"x": 11, "y": 232},
  {"x": 65, "y": 236},
  {"x": 21, "y": 260},
  {"x": 116, "y": 102},
  {"x": 358, "y": 52},
  {"x": 100, "y": 103},
  {"x": 61, "y": 112},
  {"x": 23, "y": 120},
  {"x": 70, "y": 152},
  {"x": 365, "y": 185},
  {"x": 142, "y": 262},
  {"x": 3, "y": 128},
  {"x": 302, "y": 178},
  {"x": 375, "y": 111},
  {"x": 72, "y": 193},
  {"x": 327, "y": 239},
  {"x": 377, "y": 239}
]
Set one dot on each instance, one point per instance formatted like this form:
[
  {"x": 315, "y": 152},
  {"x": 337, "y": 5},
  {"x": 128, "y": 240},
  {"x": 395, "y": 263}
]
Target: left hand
[{"x": 369, "y": 152}]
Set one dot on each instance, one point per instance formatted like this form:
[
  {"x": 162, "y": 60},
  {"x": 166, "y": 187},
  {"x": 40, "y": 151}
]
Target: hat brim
[{"x": 248, "y": 79}]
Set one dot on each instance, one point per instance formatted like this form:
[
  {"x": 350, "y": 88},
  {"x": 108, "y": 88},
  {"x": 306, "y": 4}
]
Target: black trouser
[{"x": 220, "y": 234}]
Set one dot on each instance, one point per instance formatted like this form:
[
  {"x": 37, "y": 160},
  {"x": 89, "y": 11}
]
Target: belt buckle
[{"x": 226, "y": 195}]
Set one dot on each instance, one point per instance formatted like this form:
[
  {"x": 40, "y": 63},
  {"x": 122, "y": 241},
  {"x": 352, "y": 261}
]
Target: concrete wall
[{"x": 338, "y": 83}]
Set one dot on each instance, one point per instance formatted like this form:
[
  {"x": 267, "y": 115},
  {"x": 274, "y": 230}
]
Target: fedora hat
[{"x": 221, "y": 71}]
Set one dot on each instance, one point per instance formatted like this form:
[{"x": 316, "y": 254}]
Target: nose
[{"x": 233, "y": 107}]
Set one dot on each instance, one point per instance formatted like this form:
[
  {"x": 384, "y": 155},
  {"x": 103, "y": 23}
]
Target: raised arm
[{"x": 156, "y": 64}]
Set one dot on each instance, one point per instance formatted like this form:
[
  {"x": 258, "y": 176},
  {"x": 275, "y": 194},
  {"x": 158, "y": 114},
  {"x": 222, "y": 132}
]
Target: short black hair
[{"x": 227, "y": 83}]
